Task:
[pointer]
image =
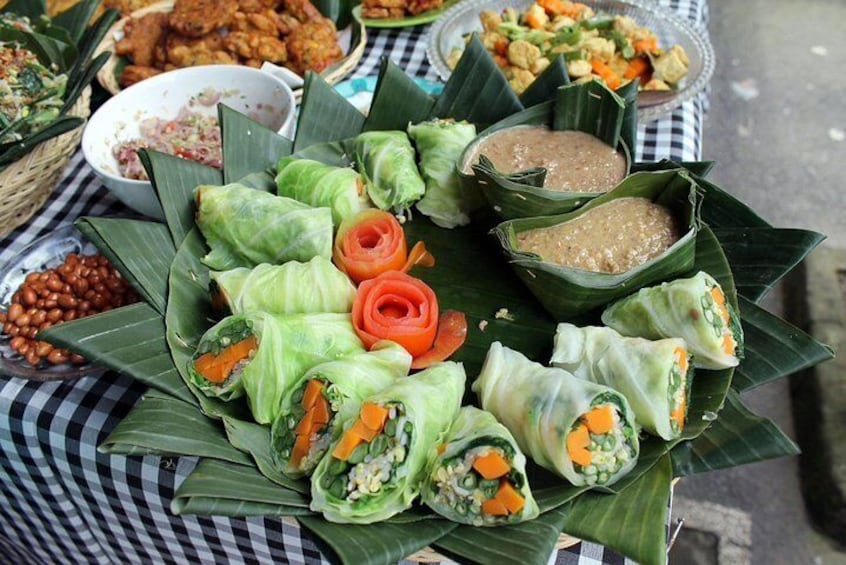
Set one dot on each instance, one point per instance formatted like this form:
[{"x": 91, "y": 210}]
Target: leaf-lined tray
[{"x": 470, "y": 276}]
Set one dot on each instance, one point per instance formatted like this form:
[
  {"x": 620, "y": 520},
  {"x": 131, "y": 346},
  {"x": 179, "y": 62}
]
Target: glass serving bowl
[
  {"x": 463, "y": 18},
  {"x": 44, "y": 253}
]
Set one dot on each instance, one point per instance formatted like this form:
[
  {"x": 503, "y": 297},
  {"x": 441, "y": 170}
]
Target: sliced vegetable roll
[
  {"x": 386, "y": 160},
  {"x": 263, "y": 355},
  {"x": 315, "y": 408},
  {"x": 654, "y": 376},
  {"x": 316, "y": 184},
  {"x": 693, "y": 309},
  {"x": 479, "y": 474},
  {"x": 580, "y": 430},
  {"x": 292, "y": 288},
  {"x": 245, "y": 227},
  {"x": 440, "y": 144},
  {"x": 377, "y": 466}
]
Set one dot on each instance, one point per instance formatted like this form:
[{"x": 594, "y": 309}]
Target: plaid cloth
[{"x": 63, "y": 502}]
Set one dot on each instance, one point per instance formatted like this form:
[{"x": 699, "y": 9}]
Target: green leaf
[
  {"x": 254, "y": 439},
  {"x": 49, "y": 50},
  {"x": 33, "y": 9},
  {"x": 592, "y": 108},
  {"x": 722, "y": 210},
  {"x": 263, "y": 151},
  {"x": 81, "y": 80},
  {"x": 397, "y": 101},
  {"x": 141, "y": 251},
  {"x": 174, "y": 181},
  {"x": 760, "y": 257},
  {"x": 88, "y": 43},
  {"x": 698, "y": 168},
  {"x": 160, "y": 424},
  {"x": 774, "y": 348},
  {"x": 325, "y": 115},
  {"x": 385, "y": 543},
  {"x": 737, "y": 437},
  {"x": 628, "y": 129},
  {"x": 130, "y": 340},
  {"x": 215, "y": 506},
  {"x": 477, "y": 91},
  {"x": 632, "y": 522},
  {"x": 11, "y": 152},
  {"x": 546, "y": 84},
  {"x": 75, "y": 19},
  {"x": 220, "y": 480},
  {"x": 259, "y": 181}
]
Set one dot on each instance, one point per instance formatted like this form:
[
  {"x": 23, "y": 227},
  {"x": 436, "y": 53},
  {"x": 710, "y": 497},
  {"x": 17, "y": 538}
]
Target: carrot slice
[
  {"x": 373, "y": 416},
  {"x": 510, "y": 498},
  {"x": 311, "y": 392},
  {"x": 419, "y": 256},
  {"x": 441, "y": 448},
  {"x": 729, "y": 345},
  {"x": 320, "y": 411},
  {"x": 363, "y": 431},
  {"x": 600, "y": 420},
  {"x": 216, "y": 368},
  {"x": 491, "y": 466},
  {"x": 720, "y": 300},
  {"x": 638, "y": 67},
  {"x": 305, "y": 425},
  {"x": 493, "y": 507},
  {"x": 452, "y": 332},
  {"x": 577, "y": 443},
  {"x": 648, "y": 45},
  {"x": 301, "y": 447},
  {"x": 681, "y": 357},
  {"x": 604, "y": 71},
  {"x": 678, "y": 413},
  {"x": 349, "y": 441}
]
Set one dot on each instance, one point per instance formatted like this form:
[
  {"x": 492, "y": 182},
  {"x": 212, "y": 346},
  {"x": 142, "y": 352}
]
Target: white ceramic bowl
[{"x": 260, "y": 95}]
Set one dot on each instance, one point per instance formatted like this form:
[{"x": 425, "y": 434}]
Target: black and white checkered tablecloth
[{"x": 63, "y": 502}]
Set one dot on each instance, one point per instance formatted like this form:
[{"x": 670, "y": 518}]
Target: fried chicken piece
[
  {"x": 189, "y": 52},
  {"x": 267, "y": 22},
  {"x": 255, "y": 47},
  {"x": 313, "y": 46},
  {"x": 141, "y": 36},
  {"x": 303, "y": 10},
  {"x": 383, "y": 9},
  {"x": 136, "y": 73},
  {"x": 253, "y": 6},
  {"x": 196, "y": 18},
  {"x": 419, "y": 6}
]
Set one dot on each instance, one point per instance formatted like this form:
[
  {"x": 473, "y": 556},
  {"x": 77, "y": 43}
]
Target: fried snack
[
  {"x": 252, "y": 6},
  {"x": 313, "y": 46},
  {"x": 419, "y": 6},
  {"x": 196, "y": 18},
  {"x": 380, "y": 9},
  {"x": 255, "y": 48},
  {"x": 267, "y": 22},
  {"x": 135, "y": 73},
  {"x": 303, "y": 10},
  {"x": 184, "y": 52},
  {"x": 142, "y": 36}
]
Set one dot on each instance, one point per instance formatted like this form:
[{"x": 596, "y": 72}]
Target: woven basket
[{"x": 27, "y": 183}]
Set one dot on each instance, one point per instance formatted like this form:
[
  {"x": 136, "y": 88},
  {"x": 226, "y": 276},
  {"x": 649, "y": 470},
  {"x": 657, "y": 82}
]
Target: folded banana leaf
[{"x": 566, "y": 292}]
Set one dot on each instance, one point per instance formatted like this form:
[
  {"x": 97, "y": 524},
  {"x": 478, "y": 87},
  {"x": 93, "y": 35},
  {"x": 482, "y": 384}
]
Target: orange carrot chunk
[
  {"x": 349, "y": 441},
  {"x": 373, "y": 416},
  {"x": 301, "y": 447},
  {"x": 510, "y": 498},
  {"x": 419, "y": 256},
  {"x": 493, "y": 507},
  {"x": 648, "y": 45},
  {"x": 681, "y": 357},
  {"x": 638, "y": 67},
  {"x": 729, "y": 344},
  {"x": 311, "y": 392},
  {"x": 491, "y": 466},
  {"x": 720, "y": 300},
  {"x": 363, "y": 431},
  {"x": 320, "y": 411},
  {"x": 452, "y": 332},
  {"x": 600, "y": 420},
  {"x": 678, "y": 413},
  {"x": 217, "y": 368},
  {"x": 577, "y": 443},
  {"x": 305, "y": 425}
]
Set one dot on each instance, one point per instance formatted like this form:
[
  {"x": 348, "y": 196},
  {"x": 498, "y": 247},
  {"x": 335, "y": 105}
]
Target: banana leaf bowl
[{"x": 236, "y": 475}]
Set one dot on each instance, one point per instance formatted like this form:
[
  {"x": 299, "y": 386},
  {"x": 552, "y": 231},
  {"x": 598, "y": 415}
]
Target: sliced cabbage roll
[
  {"x": 245, "y": 227},
  {"x": 375, "y": 469},
  {"x": 386, "y": 160},
  {"x": 694, "y": 309},
  {"x": 580, "y": 430},
  {"x": 316, "y": 184},
  {"x": 440, "y": 144},
  {"x": 264, "y": 355},
  {"x": 292, "y": 288},
  {"x": 654, "y": 376},
  {"x": 317, "y": 405},
  {"x": 478, "y": 476}
]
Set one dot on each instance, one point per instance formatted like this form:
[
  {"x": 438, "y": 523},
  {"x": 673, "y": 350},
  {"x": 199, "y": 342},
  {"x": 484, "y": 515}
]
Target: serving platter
[
  {"x": 353, "y": 40},
  {"x": 426, "y": 17},
  {"x": 449, "y": 33}
]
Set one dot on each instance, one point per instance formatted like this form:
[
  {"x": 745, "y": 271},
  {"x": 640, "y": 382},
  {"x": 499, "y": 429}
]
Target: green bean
[
  {"x": 357, "y": 456},
  {"x": 339, "y": 488},
  {"x": 326, "y": 481},
  {"x": 297, "y": 397},
  {"x": 461, "y": 509},
  {"x": 489, "y": 487},
  {"x": 390, "y": 427},
  {"x": 378, "y": 445},
  {"x": 408, "y": 427},
  {"x": 468, "y": 481},
  {"x": 336, "y": 466}
]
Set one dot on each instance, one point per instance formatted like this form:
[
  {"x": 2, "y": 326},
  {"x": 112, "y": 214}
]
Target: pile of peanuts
[{"x": 81, "y": 286}]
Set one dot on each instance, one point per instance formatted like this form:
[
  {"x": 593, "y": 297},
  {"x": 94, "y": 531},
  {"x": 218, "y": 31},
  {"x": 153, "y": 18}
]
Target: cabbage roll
[
  {"x": 386, "y": 160},
  {"x": 580, "y": 430},
  {"x": 317, "y": 405},
  {"x": 440, "y": 144},
  {"x": 693, "y": 309},
  {"x": 479, "y": 474},
  {"x": 292, "y": 288},
  {"x": 264, "y": 355},
  {"x": 654, "y": 376},
  {"x": 316, "y": 184},
  {"x": 375, "y": 469},
  {"x": 245, "y": 227}
]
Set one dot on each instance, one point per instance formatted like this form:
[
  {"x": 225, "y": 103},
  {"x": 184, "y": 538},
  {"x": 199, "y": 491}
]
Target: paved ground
[{"x": 776, "y": 131}]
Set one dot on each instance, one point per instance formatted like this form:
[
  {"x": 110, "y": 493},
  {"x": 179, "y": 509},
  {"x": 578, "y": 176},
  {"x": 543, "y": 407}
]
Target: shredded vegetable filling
[
  {"x": 310, "y": 424},
  {"x": 599, "y": 444}
]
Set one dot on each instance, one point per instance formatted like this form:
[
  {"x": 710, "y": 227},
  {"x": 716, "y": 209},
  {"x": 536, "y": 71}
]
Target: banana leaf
[
  {"x": 567, "y": 292},
  {"x": 544, "y": 86},
  {"x": 721, "y": 209},
  {"x": 51, "y": 52},
  {"x": 174, "y": 181},
  {"x": 216, "y": 506},
  {"x": 11, "y": 152},
  {"x": 141, "y": 251},
  {"x": 325, "y": 115},
  {"x": 599, "y": 111},
  {"x": 33, "y": 9},
  {"x": 397, "y": 101},
  {"x": 383, "y": 544},
  {"x": 698, "y": 168},
  {"x": 760, "y": 257},
  {"x": 477, "y": 91},
  {"x": 774, "y": 348},
  {"x": 90, "y": 38},
  {"x": 162, "y": 425},
  {"x": 75, "y": 19},
  {"x": 215, "y": 480},
  {"x": 262, "y": 153},
  {"x": 130, "y": 340},
  {"x": 735, "y": 438}
]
